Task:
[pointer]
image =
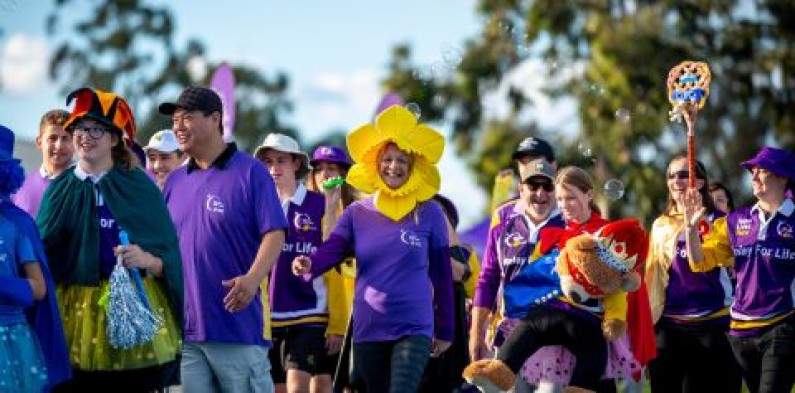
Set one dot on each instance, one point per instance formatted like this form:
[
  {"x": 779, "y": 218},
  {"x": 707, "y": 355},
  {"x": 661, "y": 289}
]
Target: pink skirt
[{"x": 555, "y": 363}]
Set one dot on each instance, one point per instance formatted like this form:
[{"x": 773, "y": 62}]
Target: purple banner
[{"x": 223, "y": 83}]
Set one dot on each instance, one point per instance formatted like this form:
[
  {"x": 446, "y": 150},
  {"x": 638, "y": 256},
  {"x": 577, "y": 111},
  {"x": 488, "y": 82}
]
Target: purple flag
[
  {"x": 388, "y": 100},
  {"x": 223, "y": 83}
]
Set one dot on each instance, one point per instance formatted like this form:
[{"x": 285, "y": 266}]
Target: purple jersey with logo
[
  {"x": 221, "y": 214},
  {"x": 512, "y": 239},
  {"x": 695, "y": 297},
  {"x": 764, "y": 260},
  {"x": 403, "y": 270},
  {"x": 293, "y": 300}
]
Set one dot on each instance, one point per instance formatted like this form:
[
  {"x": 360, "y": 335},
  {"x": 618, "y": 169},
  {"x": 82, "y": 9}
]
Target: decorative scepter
[{"x": 688, "y": 88}]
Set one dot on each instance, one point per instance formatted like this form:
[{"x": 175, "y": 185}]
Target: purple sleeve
[
  {"x": 442, "y": 278},
  {"x": 441, "y": 273},
  {"x": 336, "y": 248},
  {"x": 266, "y": 203},
  {"x": 490, "y": 275}
]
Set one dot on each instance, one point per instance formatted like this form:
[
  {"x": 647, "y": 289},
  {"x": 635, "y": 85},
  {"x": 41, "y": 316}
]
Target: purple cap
[
  {"x": 780, "y": 162},
  {"x": 333, "y": 154}
]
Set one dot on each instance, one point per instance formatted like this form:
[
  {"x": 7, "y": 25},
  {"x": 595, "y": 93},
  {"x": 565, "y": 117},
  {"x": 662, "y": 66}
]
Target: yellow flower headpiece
[{"x": 399, "y": 126}]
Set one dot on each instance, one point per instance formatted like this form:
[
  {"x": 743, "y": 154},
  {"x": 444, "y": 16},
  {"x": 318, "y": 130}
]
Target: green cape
[{"x": 69, "y": 226}]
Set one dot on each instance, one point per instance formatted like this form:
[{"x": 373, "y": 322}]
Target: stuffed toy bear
[
  {"x": 594, "y": 269},
  {"x": 600, "y": 267}
]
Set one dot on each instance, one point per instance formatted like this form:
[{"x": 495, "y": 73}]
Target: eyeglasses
[
  {"x": 95, "y": 132},
  {"x": 545, "y": 185},
  {"x": 682, "y": 175}
]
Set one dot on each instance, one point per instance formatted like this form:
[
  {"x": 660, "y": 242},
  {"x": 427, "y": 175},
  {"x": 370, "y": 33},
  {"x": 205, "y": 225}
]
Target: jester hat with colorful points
[
  {"x": 396, "y": 125},
  {"x": 108, "y": 109}
]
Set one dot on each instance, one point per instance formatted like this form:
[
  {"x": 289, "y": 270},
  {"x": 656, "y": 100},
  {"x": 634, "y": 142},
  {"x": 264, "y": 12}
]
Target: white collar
[
  {"x": 44, "y": 174},
  {"x": 47, "y": 175},
  {"x": 83, "y": 175},
  {"x": 787, "y": 208},
  {"x": 298, "y": 197}
]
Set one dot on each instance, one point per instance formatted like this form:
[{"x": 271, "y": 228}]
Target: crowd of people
[{"x": 285, "y": 271}]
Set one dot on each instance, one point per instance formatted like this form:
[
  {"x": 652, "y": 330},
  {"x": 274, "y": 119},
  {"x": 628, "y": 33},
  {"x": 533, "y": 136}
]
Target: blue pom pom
[{"x": 130, "y": 322}]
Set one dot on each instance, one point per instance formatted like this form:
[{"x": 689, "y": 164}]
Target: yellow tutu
[{"x": 84, "y": 322}]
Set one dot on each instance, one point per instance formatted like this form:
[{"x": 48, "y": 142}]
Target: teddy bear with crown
[{"x": 589, "y": 319}]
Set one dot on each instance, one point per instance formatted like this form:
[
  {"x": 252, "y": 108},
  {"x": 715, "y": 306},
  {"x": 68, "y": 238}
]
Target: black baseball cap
[
  {"x": 194, "y": 98},
  {"x": 535, "y": 147}
]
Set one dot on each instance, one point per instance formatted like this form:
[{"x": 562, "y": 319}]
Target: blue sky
[{"x": 335, "y": 53}]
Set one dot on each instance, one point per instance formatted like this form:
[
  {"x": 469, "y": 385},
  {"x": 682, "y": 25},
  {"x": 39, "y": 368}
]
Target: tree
[
  {"x": 625, "y": 50},
  {"x": 127, "y": 47}
]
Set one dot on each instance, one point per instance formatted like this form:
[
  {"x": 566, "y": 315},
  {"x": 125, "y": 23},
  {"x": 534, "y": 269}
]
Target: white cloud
[
  {"x": 23, "y": 64},
  {"x": 337, "y": 100},
  {"x": 530, "y": 77}
]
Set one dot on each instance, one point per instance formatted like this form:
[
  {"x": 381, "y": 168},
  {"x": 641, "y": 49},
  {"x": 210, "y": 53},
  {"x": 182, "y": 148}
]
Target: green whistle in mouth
[{"x": 333, "y": 182}]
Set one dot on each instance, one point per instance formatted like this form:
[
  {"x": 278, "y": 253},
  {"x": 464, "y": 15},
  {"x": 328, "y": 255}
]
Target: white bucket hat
[
  {"x": 163, "y": 141},
  {"x": 284, "y": 144}
]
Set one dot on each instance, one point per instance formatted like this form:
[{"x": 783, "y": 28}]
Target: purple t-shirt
[
  {"x": 108, "y": 237},
  {"x": 689, "y": 296},
  {"x": 28, "y": 198},
  {"x": 403, "y": 271},
  {"x": 764, "y": 259},
  {"x": 221, "y": 214},
  {"x": 293, "y": 300}
]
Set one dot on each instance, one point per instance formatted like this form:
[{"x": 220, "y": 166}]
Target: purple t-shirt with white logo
[
  {"x": 293, "y": 300},
  {"x": 400, "y": 265},
  {"x": 221, "y": 214}
]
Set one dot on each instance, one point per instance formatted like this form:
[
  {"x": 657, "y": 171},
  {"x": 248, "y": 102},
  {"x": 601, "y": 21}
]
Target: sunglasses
[
  {"x": 544, "y": 185},
  {"x": 683, "y": 175}
]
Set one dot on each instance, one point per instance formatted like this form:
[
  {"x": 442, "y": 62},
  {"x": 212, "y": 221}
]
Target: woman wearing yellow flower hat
[{"x": 403, "y": 301}]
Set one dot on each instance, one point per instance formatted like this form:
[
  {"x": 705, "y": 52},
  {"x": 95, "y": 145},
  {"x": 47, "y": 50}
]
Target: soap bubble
[
  {"x": 595, "y": 89},
  {"x": 614, "y": 189},
  {"x": 415, "y": 109},
  {"x": 585, "y": 149},
  {"x": 623, "y": 115}
]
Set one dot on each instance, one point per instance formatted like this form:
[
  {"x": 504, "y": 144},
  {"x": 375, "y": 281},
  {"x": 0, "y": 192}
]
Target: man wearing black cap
[
  {"x": 231, "y": 230},
  {"x": 535, "y": 160},
  {"x": 532, "y": 148}
]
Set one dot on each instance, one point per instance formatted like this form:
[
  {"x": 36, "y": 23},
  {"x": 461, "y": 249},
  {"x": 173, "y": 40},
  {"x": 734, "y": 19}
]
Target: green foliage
[
  {"x": 620, "y": 53},
  {"x": 128, "y": 47}
]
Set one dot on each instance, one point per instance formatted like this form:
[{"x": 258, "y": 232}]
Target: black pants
[
  {"x": 693, "y": 359},
  {"x": 141, "y": 380},
  {"x": 444, "y": 373},
  {"x": 392, "y": 366},
  {"x": 768, "y": 361},
  {"x": 545, "y": 325}
]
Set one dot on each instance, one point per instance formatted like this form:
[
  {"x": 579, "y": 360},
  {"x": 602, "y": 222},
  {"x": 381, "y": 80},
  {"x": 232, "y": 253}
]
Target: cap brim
[
  {"x": 544, "y": 175},
  {"x": 160, "y": 149},
  {"x": 516, "y": 155},
  {"x": 338, "y": 162},
  {"x": 167, "y": 108},
  {"x": 768, "y": 165}
]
